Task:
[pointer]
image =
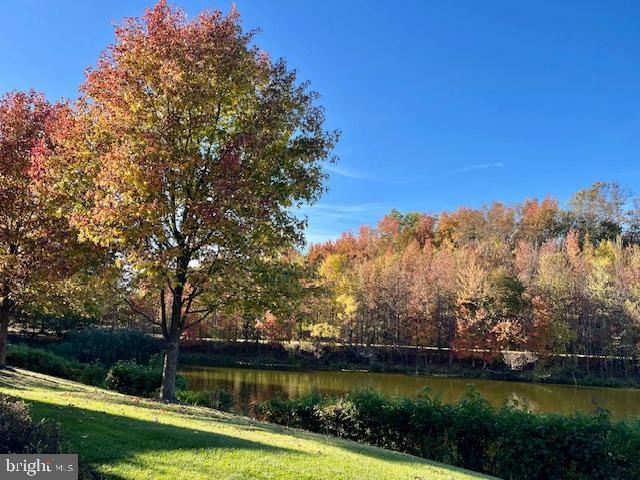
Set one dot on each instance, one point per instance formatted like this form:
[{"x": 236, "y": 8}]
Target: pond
[{"x": 250, "y": 386}]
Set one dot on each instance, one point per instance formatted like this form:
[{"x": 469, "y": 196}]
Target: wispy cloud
[
  {"x": 479, "y": 166},
  {"x": 343, "y": 172},
  {"x": 359, "y": 212},
  {"x": 356, "y": 175}
]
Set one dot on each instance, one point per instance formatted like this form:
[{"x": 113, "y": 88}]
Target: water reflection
[{"x": 250, "y": 386}]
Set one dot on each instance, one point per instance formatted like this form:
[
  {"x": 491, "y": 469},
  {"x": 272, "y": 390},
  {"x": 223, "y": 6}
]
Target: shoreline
[{"x": 456, "y": 371}]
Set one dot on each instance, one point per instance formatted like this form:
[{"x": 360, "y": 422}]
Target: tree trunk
[
  {"x": 5, "y": 316},
  {"x": 169, "y": 369},
  {"x": 173, "y": 331},
  {"x": 4, "y": 334}
]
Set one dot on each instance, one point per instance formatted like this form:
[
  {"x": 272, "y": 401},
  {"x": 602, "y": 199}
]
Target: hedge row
[
  {"x": 44, "y": 361},
  {"x": 124, "y": 376},
  {"x": 510, "y": 443}
]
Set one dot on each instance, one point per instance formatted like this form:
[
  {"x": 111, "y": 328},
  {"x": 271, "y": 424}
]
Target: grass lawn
[{"x": 128, "y": 437}]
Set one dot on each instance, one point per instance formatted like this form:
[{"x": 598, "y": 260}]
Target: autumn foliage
[
  {"x": 487, "y": 283},
  {"x": 184, "y": 156},
  {"x": 36, "y": 243}
]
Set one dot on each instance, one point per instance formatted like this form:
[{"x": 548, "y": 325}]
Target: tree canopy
[
  {"x": 36, "y": 243},
  {"x": 187, "y": 155}
]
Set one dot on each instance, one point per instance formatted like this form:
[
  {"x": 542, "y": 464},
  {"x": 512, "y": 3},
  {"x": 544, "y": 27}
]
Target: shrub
[
  {"x": 298, "y": 412},
  {"x": 94, "y": 374},
  {"x": 108, "y": 346},
  {"x": 219, "y": 399},
  {"x": 134, "y": 379},
  {"x": 19, "y": 433},
  {"x": 510, "y": 443},
  {"x": 43, "y": 361}
]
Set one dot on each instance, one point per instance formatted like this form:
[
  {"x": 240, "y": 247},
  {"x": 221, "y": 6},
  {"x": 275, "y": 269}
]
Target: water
[{"x": 250, "y": 386}]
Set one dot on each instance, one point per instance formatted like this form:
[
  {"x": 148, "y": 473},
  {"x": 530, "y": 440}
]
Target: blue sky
[{"x": 440, "y": 103}]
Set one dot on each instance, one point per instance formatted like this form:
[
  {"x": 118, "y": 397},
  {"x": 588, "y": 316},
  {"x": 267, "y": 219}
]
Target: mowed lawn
[{"x": 128, "y": 437}]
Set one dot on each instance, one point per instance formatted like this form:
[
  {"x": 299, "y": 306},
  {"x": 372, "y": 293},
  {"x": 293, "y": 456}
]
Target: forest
[{"x": 510, "y": 283}]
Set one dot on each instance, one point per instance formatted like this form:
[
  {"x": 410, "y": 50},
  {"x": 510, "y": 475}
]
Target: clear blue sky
[{"x": 441, "y": 103}]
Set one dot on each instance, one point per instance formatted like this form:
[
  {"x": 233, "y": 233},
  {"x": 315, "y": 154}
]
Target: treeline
[
  {"x": 515, "y": 284},
  {"x": 485, "y": 283},
  {"x": 532, "y": 277}
]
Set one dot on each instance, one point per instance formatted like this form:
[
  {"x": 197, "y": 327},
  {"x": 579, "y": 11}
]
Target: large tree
[
  {"x": 598, "y": 211},
  {"x": 34, "y": 241},
  {"x": 188, "y": 154}
]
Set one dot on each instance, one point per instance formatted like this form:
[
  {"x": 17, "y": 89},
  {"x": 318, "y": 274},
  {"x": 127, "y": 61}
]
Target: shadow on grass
[
  {"x": 19, "y": 379},
  {"x": 8, "y": 379},
  {"x": 107, "y": 439},
  {"x": 103, "y": 439},
  {"x": 135, "y": 435}
]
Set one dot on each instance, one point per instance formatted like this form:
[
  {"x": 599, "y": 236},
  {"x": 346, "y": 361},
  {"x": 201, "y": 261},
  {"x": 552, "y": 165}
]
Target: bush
[
  {"x": 298, "y": 412},
  {"x": 108, "y": 346},
  {"x": 125, "y": 376},
  {"x": 19, "y": 433},
  {"x": 134, "y": 379},
  {"x": 219, "y": 399},
  {"x": 94, "y": 374},
  {"x": 43, "y": 361},
  {"x": 510, "y": 443}
]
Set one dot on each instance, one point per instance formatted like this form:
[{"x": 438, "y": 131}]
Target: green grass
[{"x": 127, "y": 437}]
